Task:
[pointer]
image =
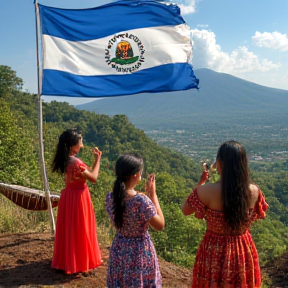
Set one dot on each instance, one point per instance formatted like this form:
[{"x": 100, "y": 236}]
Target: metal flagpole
[{"x": 40, "y": 128}]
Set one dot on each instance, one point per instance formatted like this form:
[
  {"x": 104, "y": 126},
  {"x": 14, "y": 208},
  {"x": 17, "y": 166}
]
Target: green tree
[{"x": 9, "y": 82}]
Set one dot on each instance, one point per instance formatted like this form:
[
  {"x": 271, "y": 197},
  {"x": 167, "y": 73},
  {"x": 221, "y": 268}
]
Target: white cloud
[
  {"x": 186, "y": 6},
  {"x": 202, "y": 26},
  {"x": 273, "y": 40},
  {"x": 208, "y": 54}
]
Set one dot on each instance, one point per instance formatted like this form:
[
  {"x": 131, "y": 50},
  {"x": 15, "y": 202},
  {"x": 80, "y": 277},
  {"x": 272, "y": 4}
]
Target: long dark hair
[
  {"x": 235, "y": 184},
  {"x": 126, "y": 166},
  {"x": 67, "y": 139}
]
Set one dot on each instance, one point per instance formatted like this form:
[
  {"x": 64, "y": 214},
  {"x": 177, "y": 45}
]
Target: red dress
[
  {"x": 225, "y": 260},
  {"x": 76, "y": 247}
]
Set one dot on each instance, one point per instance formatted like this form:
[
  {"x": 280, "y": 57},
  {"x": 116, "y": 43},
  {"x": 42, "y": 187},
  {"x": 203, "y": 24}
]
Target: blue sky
[{"x": 247, "y": 38}]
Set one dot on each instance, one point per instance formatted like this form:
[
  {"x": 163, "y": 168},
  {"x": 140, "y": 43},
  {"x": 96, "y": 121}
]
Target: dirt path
[{"x": 25, "y": 261}]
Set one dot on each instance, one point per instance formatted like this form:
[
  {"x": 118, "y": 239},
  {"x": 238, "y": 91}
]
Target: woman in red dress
[
  {"x": 76, "y": 247},
  {"x": 227, "y": 256}
]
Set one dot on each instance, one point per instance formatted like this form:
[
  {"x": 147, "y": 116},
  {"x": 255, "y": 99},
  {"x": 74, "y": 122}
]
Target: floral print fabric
[
  {"x": 133, "y": 261},
  {"x": 223, "y": 259}
]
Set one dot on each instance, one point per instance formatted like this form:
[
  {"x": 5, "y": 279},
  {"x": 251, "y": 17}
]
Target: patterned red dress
[
  {"x": 224, "y": 260},
  {"x": 76, "y": 247}
]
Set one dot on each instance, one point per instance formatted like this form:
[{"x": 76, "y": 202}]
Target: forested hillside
[{"x": 176, "y": 174}]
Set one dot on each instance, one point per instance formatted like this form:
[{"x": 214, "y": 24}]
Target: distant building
[{"x": 256, "y": 158}]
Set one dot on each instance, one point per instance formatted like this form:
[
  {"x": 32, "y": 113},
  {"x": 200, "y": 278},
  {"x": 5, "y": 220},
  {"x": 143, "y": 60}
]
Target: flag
[{"x": 121, "y": 48}]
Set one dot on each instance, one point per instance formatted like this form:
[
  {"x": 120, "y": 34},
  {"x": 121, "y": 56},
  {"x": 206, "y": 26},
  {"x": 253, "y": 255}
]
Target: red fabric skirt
[
  {"x": 76, "y": 247},
  {"x": 225, "y": 261}
]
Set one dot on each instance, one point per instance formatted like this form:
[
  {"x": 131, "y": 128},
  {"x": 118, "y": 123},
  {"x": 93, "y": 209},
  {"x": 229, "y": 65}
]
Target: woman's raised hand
[
  {"x": 157, "y": 222},
  {"x": 150, "y": 188},
  {"x": 92, "y": 174},
  {"x": 97, "y": 153}
]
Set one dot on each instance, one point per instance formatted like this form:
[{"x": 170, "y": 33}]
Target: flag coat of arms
[{"x": 121, "y": 48}]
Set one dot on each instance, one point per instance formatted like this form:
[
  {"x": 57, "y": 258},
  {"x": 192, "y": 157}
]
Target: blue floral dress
[{"x": 133, "y": 261}]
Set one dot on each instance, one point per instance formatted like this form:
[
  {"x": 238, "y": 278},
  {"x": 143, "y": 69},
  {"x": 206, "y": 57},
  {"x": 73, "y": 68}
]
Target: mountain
[{"x": 221, "y": 96}]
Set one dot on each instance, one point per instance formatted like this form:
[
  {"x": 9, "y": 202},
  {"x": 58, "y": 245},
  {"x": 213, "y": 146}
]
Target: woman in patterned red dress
[
  {"x": 133, "y": 261},
  {"x": 76, "y": 247},
  {"x": 227, "y": 256}
]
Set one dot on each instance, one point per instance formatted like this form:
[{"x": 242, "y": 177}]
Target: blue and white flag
[{"x": 121, "y": 48}]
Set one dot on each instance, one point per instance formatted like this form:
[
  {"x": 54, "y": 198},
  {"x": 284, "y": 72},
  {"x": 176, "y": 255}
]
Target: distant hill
[{"x": 221, "y": 96}]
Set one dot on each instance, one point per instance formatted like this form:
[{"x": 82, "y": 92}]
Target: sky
[{"x": 247, "y": 38}]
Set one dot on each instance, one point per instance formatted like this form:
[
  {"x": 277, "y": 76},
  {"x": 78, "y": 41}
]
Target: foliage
[
  {"x": 18, "y": 153},
  {"x": 179, "y": 241},
  {"x": 270, "y": 237},
  {"x": 9, "y": 82}
]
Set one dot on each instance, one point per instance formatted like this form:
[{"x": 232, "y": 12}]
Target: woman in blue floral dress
[{"x": 133, "y": 261}]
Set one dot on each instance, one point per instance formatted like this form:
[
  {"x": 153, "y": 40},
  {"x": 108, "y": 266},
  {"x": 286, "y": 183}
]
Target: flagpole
[{"x": 40, "y": 128}]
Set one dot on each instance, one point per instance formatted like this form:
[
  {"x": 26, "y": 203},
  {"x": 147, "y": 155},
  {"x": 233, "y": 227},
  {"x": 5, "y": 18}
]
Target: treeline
[{"x": 176, "y": 174}]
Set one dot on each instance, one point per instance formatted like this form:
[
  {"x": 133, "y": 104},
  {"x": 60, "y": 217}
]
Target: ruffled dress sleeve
[
  {"x": 196, "y": 205},
  {"x": 78, "y": 168},
  {"x": 147, "y": 208},
  {"x": 260, "y": 207}
]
